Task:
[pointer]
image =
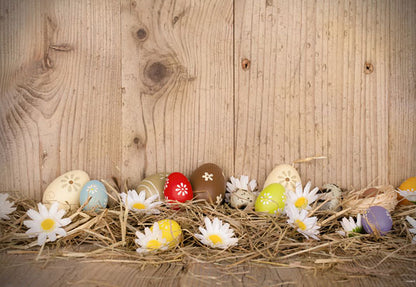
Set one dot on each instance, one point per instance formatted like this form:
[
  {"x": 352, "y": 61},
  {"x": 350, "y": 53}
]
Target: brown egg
[{"x": 208, "y": 182}]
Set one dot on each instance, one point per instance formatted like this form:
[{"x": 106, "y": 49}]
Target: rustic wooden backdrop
[{"x": 127, "y": 88}]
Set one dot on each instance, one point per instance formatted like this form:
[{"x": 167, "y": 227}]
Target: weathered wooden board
[
  {"x": 60, "y": 104},
  {"x": 127, "y": 88},
  {"x": 177, "y": 59},
  {"x": 331, "y": 78},
  {"x": 24, "y": 271},
  {"x": 401, "y": 85}
]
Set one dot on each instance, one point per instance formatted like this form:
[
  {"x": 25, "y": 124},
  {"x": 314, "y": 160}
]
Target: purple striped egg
[{"x": 377, "y": 220}]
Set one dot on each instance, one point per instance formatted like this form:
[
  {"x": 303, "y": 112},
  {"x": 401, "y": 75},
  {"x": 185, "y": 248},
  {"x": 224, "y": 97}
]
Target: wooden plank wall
[{"x": 127, "y": 88}]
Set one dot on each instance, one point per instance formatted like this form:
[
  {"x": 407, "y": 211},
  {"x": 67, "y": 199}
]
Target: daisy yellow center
[
  {"x": 215, "y": 238},
  {"x": 301, "y": 202},
  {"x": 139, "y": 205},
  {"x": 300, "y": 224},
  {"x": 47, "y": 224},
  {"x": 153, "y": 244}
]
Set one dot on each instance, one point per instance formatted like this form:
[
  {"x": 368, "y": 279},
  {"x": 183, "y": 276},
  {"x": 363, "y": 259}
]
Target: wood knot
[
  {"x": 245, "y": 64},
  {"x": 141, "y": 34},
  {"x": 138, "y": 142},
  {"x": 368, "y": 68},
  {"x": 174, "y": 20},
  {"x": 156, "y": 72}
]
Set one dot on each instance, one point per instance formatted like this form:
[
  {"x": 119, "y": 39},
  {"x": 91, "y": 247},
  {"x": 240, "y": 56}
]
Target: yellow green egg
[
  {"x": 272, "y": 199},
  {"x": 171, "y": 231}
]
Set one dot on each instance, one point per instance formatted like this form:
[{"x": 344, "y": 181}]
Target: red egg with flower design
[{"x": 177, "y": 188}]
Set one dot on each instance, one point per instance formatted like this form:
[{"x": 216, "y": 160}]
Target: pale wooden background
[{"x": 128, "y": 88}]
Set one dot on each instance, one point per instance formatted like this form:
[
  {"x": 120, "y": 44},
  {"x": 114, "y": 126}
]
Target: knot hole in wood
[
  {"x": 368, "y": 68},
  {"x": 141, "y": 34},
  {"x": 245, "y": 64}
]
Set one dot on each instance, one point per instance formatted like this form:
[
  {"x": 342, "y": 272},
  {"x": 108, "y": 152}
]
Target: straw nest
[
  {"x": 109, "y": 236},
  {"x": 359, "y": 201}
]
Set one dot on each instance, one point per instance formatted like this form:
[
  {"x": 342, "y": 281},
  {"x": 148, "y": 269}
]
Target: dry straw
[
  {"x": 109, "y": 236},
  {"x": 359, "y": 201}
]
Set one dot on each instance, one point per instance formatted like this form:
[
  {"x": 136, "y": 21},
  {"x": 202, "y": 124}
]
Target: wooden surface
[
  {"x": 19, "y": 270},
  {"x": 127, "y": 88},
  {"x": 60, "y": 104}
]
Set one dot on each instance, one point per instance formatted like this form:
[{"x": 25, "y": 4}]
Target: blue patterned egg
[{"x": 96, "y": 190}]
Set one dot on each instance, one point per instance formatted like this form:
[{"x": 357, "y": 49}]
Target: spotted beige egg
[
  {"x": 242, "y": 198},
  {"x": 285, "y": 175},
  {"x": 153, "y": 184}
]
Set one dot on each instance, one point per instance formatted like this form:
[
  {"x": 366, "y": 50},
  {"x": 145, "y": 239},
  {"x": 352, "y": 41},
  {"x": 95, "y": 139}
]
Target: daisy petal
[{"x": 41, "y": 239}]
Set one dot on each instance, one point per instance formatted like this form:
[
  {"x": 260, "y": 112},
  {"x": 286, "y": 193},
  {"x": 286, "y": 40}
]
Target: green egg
[{"x": 272, "y": 199}]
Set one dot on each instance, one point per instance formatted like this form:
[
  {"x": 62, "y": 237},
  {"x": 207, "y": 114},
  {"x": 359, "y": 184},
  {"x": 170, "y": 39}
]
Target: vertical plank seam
[{"x": 234, "y": 94}]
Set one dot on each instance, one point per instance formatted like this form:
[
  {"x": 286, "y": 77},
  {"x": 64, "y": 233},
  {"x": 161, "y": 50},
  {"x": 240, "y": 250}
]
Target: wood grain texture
[
  {"x": 129, "y": 88},
  {"x": 60, "y": 100},
  {"x": 321, "y": 83},
  {"x": 178, "y": 86},
  {"x": 401, "y": 88},
  {"x": 19, "y": 270}
]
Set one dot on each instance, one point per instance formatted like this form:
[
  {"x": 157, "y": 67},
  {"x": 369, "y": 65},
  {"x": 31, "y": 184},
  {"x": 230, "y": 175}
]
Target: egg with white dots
[
  {"x": 271, "y": 200},
  {"x": 98, "y": 193}
]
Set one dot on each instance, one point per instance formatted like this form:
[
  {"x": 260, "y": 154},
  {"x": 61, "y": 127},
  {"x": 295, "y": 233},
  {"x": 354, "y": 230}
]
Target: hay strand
[{"x": 108, "y": 236}]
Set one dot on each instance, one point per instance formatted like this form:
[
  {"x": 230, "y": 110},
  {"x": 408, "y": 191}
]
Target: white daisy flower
[
  {"x": 151, "y": 240},
  {"x": 241, "y": 183},
  {"x": 5, "y": 206},
  {"x": 410, "y": 195},
  {"x": 216, "y": 234},
  {"x": 302, "y": 199},
  {"x": 351, "y": 226},
  {"x": 412, "y": 222},
  {"x": 46, "y": 223},
  {"x": 299, "y": 219},
  {"x": 139, "y": 203}
]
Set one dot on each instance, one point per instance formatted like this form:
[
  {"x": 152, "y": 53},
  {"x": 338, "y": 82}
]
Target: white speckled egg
[
  {"x": 96, "y": 190},
  {"x": 66, "y": 190},
  {"x": 242, "y": 198}
]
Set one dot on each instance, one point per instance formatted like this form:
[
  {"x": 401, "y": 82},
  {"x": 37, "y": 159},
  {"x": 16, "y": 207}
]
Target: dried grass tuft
[
  {"x": 358, "y": 203},
  {"x": 109, "y": 236}
]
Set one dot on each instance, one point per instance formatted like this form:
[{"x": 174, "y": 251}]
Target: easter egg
[
  {"x": 208, "y": 182},
  {"x": 66, "y": 190},
  {"x": 171, "y": 231},
  {"x": 177, "y": 188},
  {"x": 377, "y": 220},
  {"x": 272, "y": 199},
  {"x": 153, "y": 184},
  {"x": 96, "y": 190},
  {"x": 242, "y": 198},
  {"x": 331, "y": 193},
  {"x": 409, "y": 185},
  {"x": 284, "y": 174}
]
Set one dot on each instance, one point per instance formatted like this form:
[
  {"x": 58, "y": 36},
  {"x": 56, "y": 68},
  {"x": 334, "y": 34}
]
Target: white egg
[
  {"x": 66, "y": 190},
  {"x": 284, "y": 174}
]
